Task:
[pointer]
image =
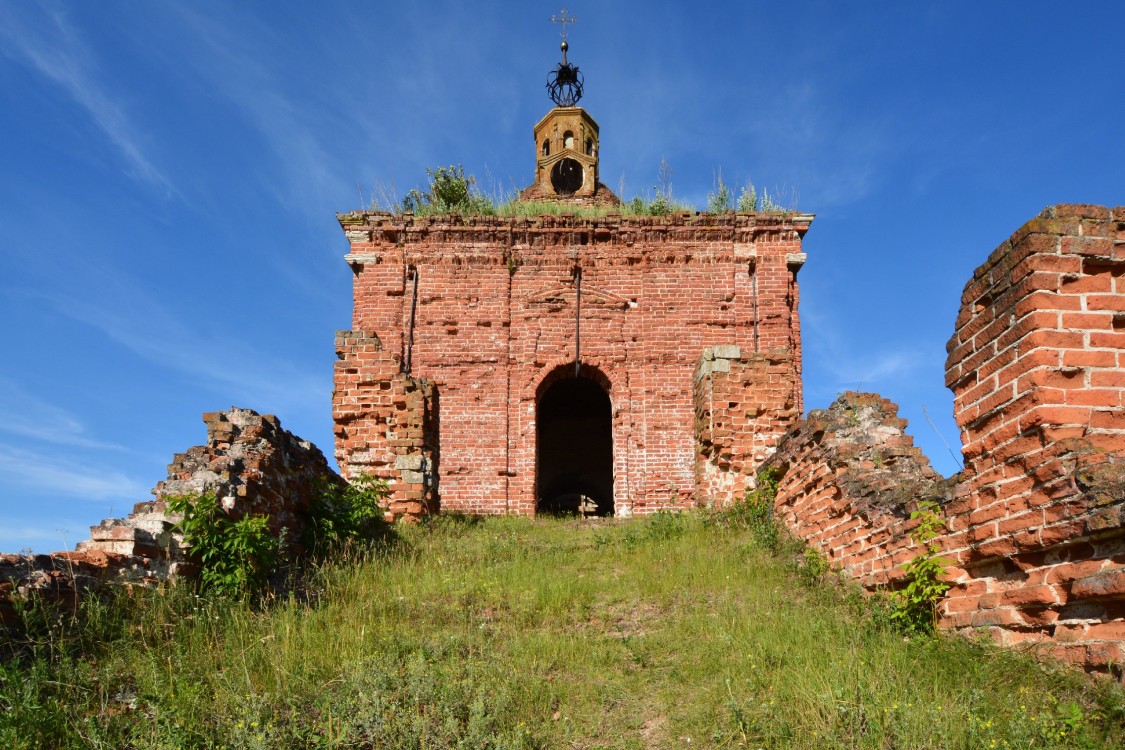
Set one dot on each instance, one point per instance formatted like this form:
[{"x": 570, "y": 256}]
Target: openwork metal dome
[{"x": 564, "y": 83}]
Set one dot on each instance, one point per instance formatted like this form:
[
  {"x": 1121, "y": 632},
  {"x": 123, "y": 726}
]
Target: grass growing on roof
[{"x": 453, "y": 192}]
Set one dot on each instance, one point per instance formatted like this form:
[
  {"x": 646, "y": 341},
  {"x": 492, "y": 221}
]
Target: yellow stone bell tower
[{"x": 566, "y": 141}]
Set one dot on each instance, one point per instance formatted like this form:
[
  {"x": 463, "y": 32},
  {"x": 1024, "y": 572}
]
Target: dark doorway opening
[{"x": 574, "y": 449}]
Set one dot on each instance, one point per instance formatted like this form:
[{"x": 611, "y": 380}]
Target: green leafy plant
[
  {"x": 767, "y": 202},
  {"x": 666, "y": 524},
  {"x": 235, "y": 555},
  {"x": 662, "y": 203},
  {"x": 914, "y": 607},
  {"x": 748, "y": 198},
  {"x": 719, "y": 200},
  {"x": 751, "y": 199},
  {"x": 451, "y": 191},
  {"x": 346, "y": 513},
  {"x": 755, "y": 511},
  {"x": 812, "y": 567}
]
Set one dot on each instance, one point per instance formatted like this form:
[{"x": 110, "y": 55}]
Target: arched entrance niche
[{"x": 574, "y": 443}]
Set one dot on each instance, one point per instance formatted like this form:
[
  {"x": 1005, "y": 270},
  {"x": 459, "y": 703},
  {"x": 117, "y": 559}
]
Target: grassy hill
[{"x": 672, "y": 631}]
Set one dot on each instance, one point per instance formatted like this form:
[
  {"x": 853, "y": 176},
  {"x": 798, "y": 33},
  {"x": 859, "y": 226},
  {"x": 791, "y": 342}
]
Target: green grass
[
  {"x": 453, "y": 192},
  {"x": 517, "y": 633},
  {"x": 518, "y": 207}
]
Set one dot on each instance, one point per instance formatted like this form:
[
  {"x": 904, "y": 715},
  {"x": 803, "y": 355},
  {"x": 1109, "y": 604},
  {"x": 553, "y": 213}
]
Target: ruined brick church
[
  {"x": 605, "y": 363},
  {"x": 614, "y": 365}
]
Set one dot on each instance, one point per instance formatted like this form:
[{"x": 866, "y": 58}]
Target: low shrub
[
  {"x": 755, "y": 511},
  {"x": 345, "y": 514},
  {"x": 235, "y": 555},
  {"x": 913, "y": 609}
]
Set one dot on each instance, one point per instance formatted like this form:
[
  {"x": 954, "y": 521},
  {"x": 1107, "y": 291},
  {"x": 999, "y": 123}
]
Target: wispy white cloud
[
  {"x": 240, "y": 64},
  {"x": 860, "y": 370},
  {"x": 850, "y": 362},
  {"x": 51, "y": 46},
  {"x": 223, "y": 363},
  {"x": 21, "y": 413},
  {"x": 39, "y": 473},
  {"x": 127, "y": 313}
]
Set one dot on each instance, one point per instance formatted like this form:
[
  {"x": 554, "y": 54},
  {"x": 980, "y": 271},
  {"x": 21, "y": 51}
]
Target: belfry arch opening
[{"x": 574, "y": 448}]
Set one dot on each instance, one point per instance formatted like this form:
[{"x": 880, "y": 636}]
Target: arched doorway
[{"x": 574, "y": 449}]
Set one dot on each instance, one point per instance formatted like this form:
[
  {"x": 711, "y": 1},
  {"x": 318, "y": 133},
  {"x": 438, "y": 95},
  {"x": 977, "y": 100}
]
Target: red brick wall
[
  {"x": 1037, "y": 368},
  {"x": 743, "y": 404},
  {"x": 851, "y": 478},
  {"x": 494, "y": 309},
  {"x": 1036, "y": 525},
  {"x": 385, "y": 424}
]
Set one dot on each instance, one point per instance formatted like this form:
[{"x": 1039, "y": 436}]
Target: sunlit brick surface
[{"x": 503, "y": 306}]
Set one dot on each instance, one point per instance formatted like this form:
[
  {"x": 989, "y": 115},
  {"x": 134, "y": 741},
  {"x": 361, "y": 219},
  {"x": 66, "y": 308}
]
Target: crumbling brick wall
[
  {"x": 1037, "y": 368},
  {"x": 491, "y": 310},
  {"x": 851, "y": 477},
  {"x": 61, "y": 577},
  {"x": 744, "y": 402},
  {"x": 1036, "y": 525},
  {"x": 386, "y": 424},
  {"x": 249, "y": 462}
]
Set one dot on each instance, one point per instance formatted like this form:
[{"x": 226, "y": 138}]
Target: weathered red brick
[
  {"x": 1110, "y": 583},
  {"x": 1001, "y": 616},
  {"x": 1025, "y": 595}
]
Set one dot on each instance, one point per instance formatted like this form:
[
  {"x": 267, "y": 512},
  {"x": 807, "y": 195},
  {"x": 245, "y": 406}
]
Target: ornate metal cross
[{"x": 564, "y": 20}]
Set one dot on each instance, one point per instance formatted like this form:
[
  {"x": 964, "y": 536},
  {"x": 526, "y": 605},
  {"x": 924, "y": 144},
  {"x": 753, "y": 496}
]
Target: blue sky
[{"x": 170, "y": 173}]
